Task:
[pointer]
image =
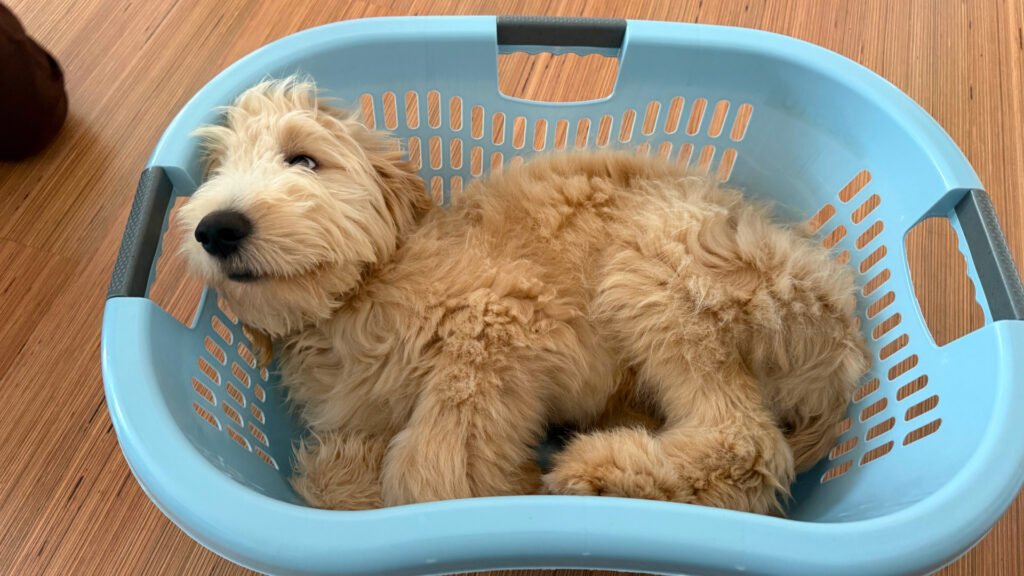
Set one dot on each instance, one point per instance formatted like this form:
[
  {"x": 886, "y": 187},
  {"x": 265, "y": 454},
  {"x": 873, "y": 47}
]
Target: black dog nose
[{"x": 222, "y": 232}]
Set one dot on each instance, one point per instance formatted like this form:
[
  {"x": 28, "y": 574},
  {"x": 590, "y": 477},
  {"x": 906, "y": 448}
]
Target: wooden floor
[{"x": 68, "y": 504}]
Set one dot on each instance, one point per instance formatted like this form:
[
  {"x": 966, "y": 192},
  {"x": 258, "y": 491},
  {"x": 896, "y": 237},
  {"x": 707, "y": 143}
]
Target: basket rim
[
  {"x": 539, "y": 531},
  {"x": 174, "y": 148}
]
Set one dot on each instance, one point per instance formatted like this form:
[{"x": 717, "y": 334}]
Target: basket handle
[
  {"x": 141, "y": 235},
  {"x": 991, "y": 255},
  {"x": 599, "y": 33}
]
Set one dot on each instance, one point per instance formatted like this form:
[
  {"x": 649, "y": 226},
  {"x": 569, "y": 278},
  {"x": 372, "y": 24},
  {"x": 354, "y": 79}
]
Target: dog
[{"x": 427, "y": 349}]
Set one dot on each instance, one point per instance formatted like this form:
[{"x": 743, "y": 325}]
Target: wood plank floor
[{"x": 68, "y": 504}]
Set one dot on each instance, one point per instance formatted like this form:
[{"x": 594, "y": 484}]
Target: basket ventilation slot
[
  {"x": 242, "y": 389},
  {"x": 848, "y": 226},
  {"x": 437, "y": 145}
]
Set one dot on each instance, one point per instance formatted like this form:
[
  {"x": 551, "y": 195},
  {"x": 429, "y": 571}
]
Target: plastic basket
[{"x": 931, "y": 458}]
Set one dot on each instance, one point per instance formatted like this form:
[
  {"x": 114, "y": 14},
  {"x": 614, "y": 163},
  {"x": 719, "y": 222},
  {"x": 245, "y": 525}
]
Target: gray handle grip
[
  {"x": 991, "y": 255},
  {"x": 551, "y": 31},
  {"x": 141, "y": 235}
]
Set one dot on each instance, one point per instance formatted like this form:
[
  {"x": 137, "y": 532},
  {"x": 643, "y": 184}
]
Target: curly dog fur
[{"x": 427, "y": 349}]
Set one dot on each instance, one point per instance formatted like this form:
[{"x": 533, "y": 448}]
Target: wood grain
[{"x": 68, "y": 503}]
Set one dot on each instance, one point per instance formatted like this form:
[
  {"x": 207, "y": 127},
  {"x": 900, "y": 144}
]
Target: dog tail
[
  {"x": 804, "y": 344},
  {"x": 810, "y": 403}
]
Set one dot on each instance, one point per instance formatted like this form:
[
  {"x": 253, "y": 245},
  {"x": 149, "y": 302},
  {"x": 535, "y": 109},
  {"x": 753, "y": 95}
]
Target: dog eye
[{"x": 302, "y": 160}]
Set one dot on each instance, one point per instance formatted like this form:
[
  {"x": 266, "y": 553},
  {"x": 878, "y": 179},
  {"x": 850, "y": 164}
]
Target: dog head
[{"x": 300, "y": 201}]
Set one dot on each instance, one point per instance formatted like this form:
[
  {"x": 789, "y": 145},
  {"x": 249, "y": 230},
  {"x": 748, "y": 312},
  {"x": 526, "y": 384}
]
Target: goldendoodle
[{"x": 427, "y": 349}]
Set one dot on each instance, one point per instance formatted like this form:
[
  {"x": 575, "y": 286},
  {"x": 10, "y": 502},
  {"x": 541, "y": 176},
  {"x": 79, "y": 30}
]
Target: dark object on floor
[{"x": 33, "y": 104}]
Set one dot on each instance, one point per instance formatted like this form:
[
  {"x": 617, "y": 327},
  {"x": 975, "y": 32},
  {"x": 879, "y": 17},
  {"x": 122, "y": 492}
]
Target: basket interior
[{"x": 897, "y": 443}]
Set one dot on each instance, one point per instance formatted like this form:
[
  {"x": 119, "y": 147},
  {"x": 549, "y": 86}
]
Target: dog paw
[
  {"x": 626, "y": 463},
  {"x": 339, "y": 472}
]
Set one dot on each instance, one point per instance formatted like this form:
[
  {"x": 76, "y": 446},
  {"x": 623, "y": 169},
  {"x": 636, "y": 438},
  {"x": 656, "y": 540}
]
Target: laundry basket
[{"x": 931, "y": 456}]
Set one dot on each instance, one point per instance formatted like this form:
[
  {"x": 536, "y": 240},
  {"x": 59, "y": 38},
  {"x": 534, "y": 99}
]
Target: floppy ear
[
  {"x": 402, "y": 188},
  {"x": 404, "y": 194},
  {"x": 213, "y": 140}
]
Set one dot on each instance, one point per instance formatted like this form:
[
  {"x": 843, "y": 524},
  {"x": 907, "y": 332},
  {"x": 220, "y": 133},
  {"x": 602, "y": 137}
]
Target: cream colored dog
[{"x": 427, "y": 349}]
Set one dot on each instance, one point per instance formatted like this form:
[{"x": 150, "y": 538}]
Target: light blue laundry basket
[{"x": 931, "y": 458}]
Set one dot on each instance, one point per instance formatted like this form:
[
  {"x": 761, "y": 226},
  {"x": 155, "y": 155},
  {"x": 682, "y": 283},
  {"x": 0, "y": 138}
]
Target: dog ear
[
  {"x": 402, "y": 188},
  {"x": 212, "y": 141},
  {"x": 405, "y": 196}
]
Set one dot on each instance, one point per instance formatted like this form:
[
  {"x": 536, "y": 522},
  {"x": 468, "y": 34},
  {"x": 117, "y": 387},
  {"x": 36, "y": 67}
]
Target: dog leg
[
  {"x": 340, "y": 471},
  {"x": 720, "y": 448},
  {"x": 680, "y": 315},
  {"x": 473, "y": 433}
]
